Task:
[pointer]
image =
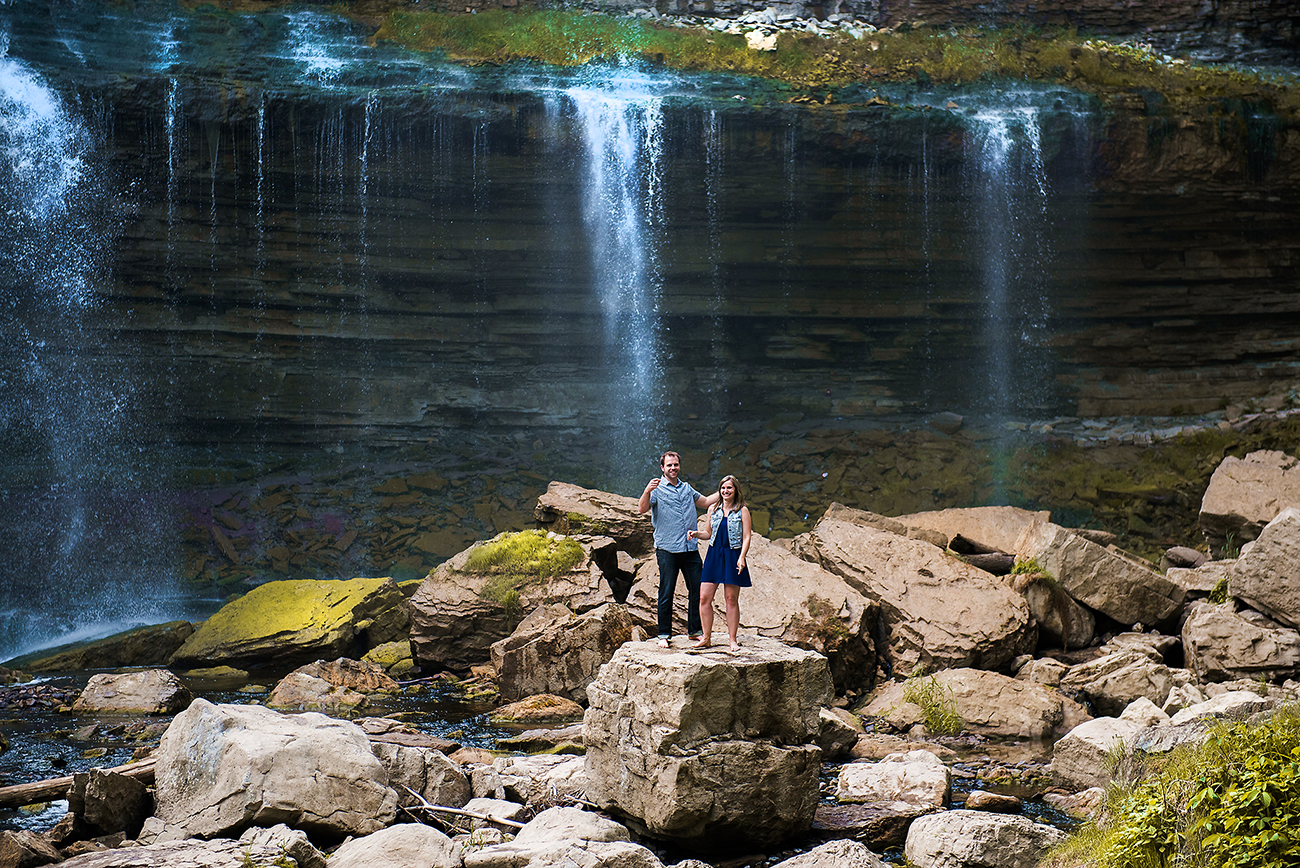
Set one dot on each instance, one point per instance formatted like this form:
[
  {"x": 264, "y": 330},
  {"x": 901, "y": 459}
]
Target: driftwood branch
[
  {"x": 460, "y": 812},
  {"x": 57, "y": 788}
]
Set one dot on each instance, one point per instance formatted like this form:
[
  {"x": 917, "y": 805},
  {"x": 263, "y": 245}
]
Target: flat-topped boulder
[
  {"x": 792, "y": 600},
  {"x": 709, "y": 748},
  {"x": 293, "y": 622},
  {"x": 1244, "y": 494},
  {"x": 572, "y": 509},
  {"x": 1222, "y": 644},
  {"x": 936, "y": 612},
  {"x": 153, "y": 691},
  {"x": 994, "y": 528}
]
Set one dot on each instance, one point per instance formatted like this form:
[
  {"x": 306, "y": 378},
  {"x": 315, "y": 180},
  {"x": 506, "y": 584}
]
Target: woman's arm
[
  {"x": 707, "y": 533},
  {"x": 746, "y": 530}
]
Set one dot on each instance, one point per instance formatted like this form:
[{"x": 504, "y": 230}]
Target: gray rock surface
[
  {"x": 292, "y": 842},
  {"x": 425, "y": 771},
  {"x": 223, "y": 768},
  {"x": 1110, "y": 682},
  {"x": 917, "y": 778},
  {"x": 188, "y": 853},
  {"x": 993, "y": 704},
  {"x": 570, "y": 509},
  {"x": 977, "y": 839},
  {"x": 1082, "y": 758},
  {"x": 835, "y": 854},
  {"x": 153, "y": 691},
  {"x": 1221, "y": 644},
  {"x": 405, "y": 845}
]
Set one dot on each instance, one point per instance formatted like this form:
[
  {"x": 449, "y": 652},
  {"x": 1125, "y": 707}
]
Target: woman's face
[{"x": 727, "y": 489}]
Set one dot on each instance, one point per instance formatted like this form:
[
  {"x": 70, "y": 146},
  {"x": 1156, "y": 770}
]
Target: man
[{"x": 672, "y": 505}]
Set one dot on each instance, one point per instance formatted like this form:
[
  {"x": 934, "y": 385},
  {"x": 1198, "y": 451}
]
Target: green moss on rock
[{"x": 294, "y": 622}]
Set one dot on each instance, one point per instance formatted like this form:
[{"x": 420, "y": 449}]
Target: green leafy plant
[
  {"x": 1219, "y": 593},
  {"x": 936, "y": 702},
  {"x": 1231, "y": 802}
]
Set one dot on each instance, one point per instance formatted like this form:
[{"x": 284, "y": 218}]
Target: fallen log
[{"x": 57, "y": 788}]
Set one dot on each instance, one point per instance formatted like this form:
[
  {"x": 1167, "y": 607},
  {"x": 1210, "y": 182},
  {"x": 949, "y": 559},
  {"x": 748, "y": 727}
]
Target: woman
[{"x": 725, "y": 562}]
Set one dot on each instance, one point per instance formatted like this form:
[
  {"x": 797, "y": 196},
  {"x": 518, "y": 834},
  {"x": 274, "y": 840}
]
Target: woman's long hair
[{"x": 739, "y": 500}]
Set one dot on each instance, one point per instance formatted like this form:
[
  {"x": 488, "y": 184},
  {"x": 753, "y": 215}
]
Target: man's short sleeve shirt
[{"x": 673, "y": 513}]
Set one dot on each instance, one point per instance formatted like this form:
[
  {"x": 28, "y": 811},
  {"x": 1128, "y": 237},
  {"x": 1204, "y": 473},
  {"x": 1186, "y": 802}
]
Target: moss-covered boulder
[
  {"x": 480, "y": 595},
  {"x": 285, "y": 624},
  {"x": 151, "y": 645}
]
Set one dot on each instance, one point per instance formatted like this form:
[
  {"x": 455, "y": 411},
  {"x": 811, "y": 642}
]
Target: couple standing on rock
[{"x": 671, "y": 503}]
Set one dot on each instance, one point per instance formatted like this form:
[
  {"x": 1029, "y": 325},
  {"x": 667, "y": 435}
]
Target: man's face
[{"x": 672, "y": 466}]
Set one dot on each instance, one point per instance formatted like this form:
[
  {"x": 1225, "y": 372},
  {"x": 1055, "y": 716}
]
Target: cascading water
[
  {"x": 1011, "y": 211},
  {"x": 65, "y": 489},
  {"x": 622, "y": 138}
]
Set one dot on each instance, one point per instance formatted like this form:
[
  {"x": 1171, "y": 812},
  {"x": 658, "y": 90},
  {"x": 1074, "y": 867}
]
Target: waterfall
[
  {"x": 1012, "y": 220},
  {"x": 622, "y": 139},
  {"x": 80, "y": 543}
]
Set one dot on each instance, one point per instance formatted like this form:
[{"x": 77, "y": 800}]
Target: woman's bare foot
[
  {"x": 735, "y": 646},
  {"x": 703, "y": 643},
  {"x": 663, "y": 643}
]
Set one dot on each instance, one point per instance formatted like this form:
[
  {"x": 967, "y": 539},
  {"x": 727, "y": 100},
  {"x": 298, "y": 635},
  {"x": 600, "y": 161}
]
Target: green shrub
[
  {"x": 1232, "y": 802},
  {"x": 936, "y": 702}
]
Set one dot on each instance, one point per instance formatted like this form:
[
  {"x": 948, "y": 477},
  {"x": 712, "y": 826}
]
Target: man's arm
[
  {"x": 702, "y": 502},
  {"x": 643, "y": 505}
]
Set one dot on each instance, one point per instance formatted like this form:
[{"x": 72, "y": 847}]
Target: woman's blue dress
[{"x": 720, "y": 562}]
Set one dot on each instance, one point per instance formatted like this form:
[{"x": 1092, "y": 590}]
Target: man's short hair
[{"x": 664, "y": 457}]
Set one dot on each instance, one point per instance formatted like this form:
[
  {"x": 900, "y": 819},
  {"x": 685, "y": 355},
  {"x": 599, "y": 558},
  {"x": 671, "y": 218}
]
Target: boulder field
[{"x": 882, "y": 652}]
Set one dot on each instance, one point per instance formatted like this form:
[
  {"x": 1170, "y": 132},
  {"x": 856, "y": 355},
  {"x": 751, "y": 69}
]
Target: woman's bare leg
[
  {"x": 707, "y": 590},
  {"x": 731, "y": 593}
]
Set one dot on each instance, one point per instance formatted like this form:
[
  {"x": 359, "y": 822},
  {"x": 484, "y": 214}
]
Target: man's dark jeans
[{"x": 690, "y": 566}]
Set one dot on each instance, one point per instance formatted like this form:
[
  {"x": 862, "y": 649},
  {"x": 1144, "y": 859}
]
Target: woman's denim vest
[{"x": 735, "y": 528}]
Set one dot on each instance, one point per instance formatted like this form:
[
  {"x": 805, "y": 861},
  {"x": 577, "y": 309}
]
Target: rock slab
[{"x": 711, "y": 748}]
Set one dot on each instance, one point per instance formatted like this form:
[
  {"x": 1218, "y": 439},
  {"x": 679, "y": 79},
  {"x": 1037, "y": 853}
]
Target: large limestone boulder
[
  {"x": 557, "y": 652},
  {"x": 1245, "y": 494},
  {"x": 978, "y": 838},
  {"x": 1223, "y": 644},
  {"x": 1265, "y": 576},
  {"x": 917, "y": 778},
  {"x": 293, "y": 622},
  {"x": 936, "y": 612},
  {"x": 571, "y": 509},
  {"x": 1085, "y": 756},
  {"x": 458, "y": 612},
  {"x": 1110, "y": 682},
  {"x": 153, "y": 691},
  {"x": 406, "y": 845},
  {"x": 222, "y": 768},
  {"x": 566, "y": 838},
  {"x": 993, "y": 704},
  {"x": 994, "y": 528},
  {"x": 843, "y": 853},
  {"x": 338, "y": 686},
  {"x": 151, "y": 645},
  {"x": 708, "y": 748},
  {"x": 1105, "y": 579},
  {"x": 792, "y": 600}
]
